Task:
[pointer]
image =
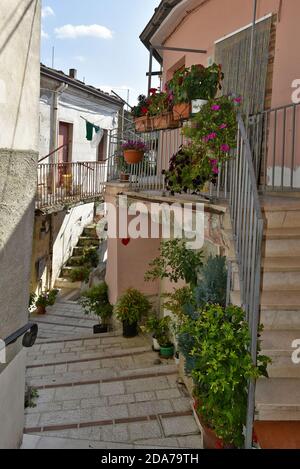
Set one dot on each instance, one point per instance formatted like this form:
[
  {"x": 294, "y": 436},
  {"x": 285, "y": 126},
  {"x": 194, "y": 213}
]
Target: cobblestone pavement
[{"x": 102, "y": 391}]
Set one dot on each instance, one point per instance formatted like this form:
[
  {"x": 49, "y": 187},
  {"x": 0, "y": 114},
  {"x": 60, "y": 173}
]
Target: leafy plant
[
  {"x": 142, "y": 107},
  {"x": 196, "y": 82},
  {"x": 159, "y": 103},
  {"x": 95, "y": 301},
  {"x": 160, "y": 328},
  {"x": 137, "y": 145},
  {"x": 132, "y": 306},
  {"x": 179, "y": 303},
  {"x": 215, "y": 126},
  {"x": 46, "y": 298},
  {"x": 90, "y": 257},
  {"x": 190, "y": 168},
  {"x": 222, "y": 367},
  {"x": 30, "y": 395},
  {"x": 80, "y": 274},
  {"x": 213, "y": 283},
  {"x": 175, "y": 262}
]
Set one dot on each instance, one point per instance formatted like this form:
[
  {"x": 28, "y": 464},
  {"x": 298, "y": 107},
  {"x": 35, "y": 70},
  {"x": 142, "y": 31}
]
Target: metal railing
[
  {"x": 68, "y": 183},
  {"x": 238, "y": 183},
  {"x": 275, "y": 145}
]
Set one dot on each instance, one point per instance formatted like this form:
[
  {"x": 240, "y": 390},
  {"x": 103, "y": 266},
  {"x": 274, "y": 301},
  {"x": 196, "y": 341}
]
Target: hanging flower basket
[
  {"x": 164, "y": 121},
  {"x": 142, "y": 124},
  {"x": 182, "y": 111},
  {"x": 133, "y": 156},
  {"x": 134, "y": 151}
]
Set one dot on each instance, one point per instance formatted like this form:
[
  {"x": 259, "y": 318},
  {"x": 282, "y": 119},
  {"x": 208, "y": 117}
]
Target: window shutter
[{"x": 234, "y": 53}]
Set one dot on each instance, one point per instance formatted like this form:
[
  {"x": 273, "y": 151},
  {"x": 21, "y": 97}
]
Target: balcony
[{"x": 62, "y": 185}]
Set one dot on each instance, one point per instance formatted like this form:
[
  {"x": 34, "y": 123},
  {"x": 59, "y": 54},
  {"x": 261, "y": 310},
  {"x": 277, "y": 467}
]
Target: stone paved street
[{"x": 102, "y": 391}]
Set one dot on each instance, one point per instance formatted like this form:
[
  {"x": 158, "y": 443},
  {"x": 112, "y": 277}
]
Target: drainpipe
[
  {"x": 252, "y": 383},
  {"x": 54, "y": 121}
]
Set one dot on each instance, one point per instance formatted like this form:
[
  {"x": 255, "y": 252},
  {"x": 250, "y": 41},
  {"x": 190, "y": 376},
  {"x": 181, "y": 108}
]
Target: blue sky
[{"x": 100, "y": 38}]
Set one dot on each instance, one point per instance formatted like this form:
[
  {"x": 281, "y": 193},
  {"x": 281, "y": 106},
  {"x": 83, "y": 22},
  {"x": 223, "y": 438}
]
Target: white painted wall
[
  {"x": 73, "y": 105},
  {"x": 72, "y": 225},
  {"x": 19, "y": 82}
]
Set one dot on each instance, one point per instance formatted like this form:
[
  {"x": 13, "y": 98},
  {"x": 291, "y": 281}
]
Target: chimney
[{"x": 73, "y": 73}]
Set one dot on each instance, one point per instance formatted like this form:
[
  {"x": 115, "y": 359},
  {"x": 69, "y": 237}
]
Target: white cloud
[
  {"x": 69, "y": 31},
  {"x": 47, "y": 11},
  {"x": 44, "y": 35}
]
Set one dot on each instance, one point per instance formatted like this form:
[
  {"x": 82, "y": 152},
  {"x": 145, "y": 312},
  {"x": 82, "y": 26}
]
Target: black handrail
[{"x": 28, "y": 339}]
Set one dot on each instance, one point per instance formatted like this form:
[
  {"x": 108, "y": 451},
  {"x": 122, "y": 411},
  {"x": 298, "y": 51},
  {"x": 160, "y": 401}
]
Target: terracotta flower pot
[
  {"x": 210, "y": 439},
  {"x": 41, "y": 309},
  {"x": 142, "y": 124},
  {"x": 133, "y": 156},
  {"x": 181, "y": 111},
  {"x": 124, "y": 177},
  {"x": 164, "y": 121}
]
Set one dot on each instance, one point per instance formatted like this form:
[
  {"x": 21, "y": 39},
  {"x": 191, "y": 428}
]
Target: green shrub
[
  {"x": 95, "y": 301},
  {"x": 80, "y": 274},
  {"x": 212, "y": 285},
  {"x": 90, "y": 257},
  {"x": 159, "y": 328},
  {"x": 221, "y": 368},
  {"x": 46, "y": 298},
  {"x": 175, "y": 262},
  {"x": 132, "y": 306}
]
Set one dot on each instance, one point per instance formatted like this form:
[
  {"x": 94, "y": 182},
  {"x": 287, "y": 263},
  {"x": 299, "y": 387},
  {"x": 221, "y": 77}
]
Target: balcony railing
[
  {"x": 275, "y": 144},
  {"x": 62, "y": 184}
]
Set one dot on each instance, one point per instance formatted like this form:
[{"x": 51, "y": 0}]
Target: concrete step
[
  {"x": 74, "y": 261},
  {"x": 66, "y": 283},
  {"x": 282, "y": 233},
  {"x": 280, "y": 319},
  {"x": 87, "y": 241},
  {"x": 288, "y": 300},
  {"x": 278, "y": 399},
  {"x": 280, "y": 245},
  {"x": 274, "y": 281},
  {"x": 281, "y": 212},
  {"x": 278, "y": 346},
  {"x": 281, "y": 264},
  {"x": 90, "y": 231}
]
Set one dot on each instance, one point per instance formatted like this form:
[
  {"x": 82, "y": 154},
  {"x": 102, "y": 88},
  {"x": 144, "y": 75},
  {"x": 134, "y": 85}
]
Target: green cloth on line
[{"x": 90, "y": 130}]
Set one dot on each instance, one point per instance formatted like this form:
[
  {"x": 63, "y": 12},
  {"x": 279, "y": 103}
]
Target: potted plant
[
  {"x": 152, "y": 327},
  {"x": 140, "y": 114},
  {"x": 130, "y": 309},
  {"x": 160, "y": 110},
  {"x": 123, "y": 167},
  {"x": 216, "y": 345},
  {"x": 133, "y": 151},
  {"x": 95, "y": 301},
  {"x": 192, "y": 87},
  {"x": 44, "y": 299}
]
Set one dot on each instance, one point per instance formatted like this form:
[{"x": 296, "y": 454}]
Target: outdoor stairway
[
  {"x": 104, "y": 391},
  {"x": 89, "y": 239},
  {"x": 278, "y": 398}
]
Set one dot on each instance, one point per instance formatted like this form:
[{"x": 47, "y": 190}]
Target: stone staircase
[
  {"x": 278, "y": 398},
  {"x": 103, "y": 391},
  {"x": 88, "y": 240}
]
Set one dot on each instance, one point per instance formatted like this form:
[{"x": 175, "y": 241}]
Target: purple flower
[
  {"x": 216, "y": 107},
  {"x": 211, "y": 136},
  {"x": 223, "y": 126},
  {"x": 238, "y": 100},
  {"x": 213, "y": 162},
  {"x": 215, "y": 170},
  {"x": 225, "y": 148}
]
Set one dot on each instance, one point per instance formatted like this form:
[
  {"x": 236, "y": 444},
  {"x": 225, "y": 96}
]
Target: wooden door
[{"x": 64, "y": 153}]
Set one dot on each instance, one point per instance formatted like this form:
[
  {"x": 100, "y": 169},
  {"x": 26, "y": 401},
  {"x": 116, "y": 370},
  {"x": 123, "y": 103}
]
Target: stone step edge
[
  {"x": 93, "y": 337},
  {"x": 102, "y": 357},
  {"x": 100, "y": 423},
  {"x": 115, "y": 379}
]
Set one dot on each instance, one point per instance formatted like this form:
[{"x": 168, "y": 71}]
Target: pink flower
[
  {"x": 238, "y": 100},
  {"x": 212, "y": 136},
  {"x": 223, "y": 126},
  {"x": 213, "y": 162},
  {"x": 215, "y": 169},
  {"x": 225, "y": 148},
  {"x": 216, "y": 107}
]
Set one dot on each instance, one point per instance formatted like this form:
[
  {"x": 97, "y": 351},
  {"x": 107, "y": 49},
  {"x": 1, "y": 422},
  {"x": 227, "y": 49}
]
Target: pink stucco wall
[{"x": 218, "y": 18}]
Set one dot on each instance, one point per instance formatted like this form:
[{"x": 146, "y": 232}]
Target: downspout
[
  {"x": 252, "y": 383},
  {"x": 54, "y": 121}
]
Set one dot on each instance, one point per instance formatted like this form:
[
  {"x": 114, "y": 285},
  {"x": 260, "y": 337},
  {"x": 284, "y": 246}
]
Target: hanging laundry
[
  {"x": 97, "y": 138},
  {"x": 90, "y": 130}
]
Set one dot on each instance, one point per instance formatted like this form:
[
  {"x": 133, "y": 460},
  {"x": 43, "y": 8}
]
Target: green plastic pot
[{"x": 167, "y": 351}]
